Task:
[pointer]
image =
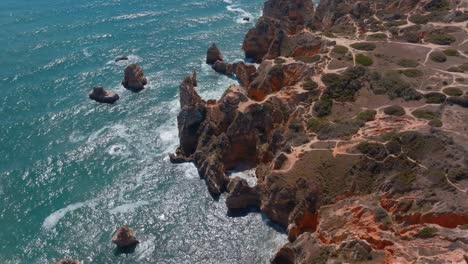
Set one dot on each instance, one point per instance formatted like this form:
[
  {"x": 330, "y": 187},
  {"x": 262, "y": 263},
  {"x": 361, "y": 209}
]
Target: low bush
[
  {"x": 454, "y": 69},
  {"x": 412, "y": 73},
  {"x": 451, "y": 52},
  {"x": 343, "y": 87},
  {"x": 280, "y": 60},
  {"x": 377, "y": 36},
  {"x": 394, "y": 110},
  {"x": 453, "y": 91},
  {"x": 393, "y": 85},
  {"x": 323, "y": 106},
  {"x": 364, "y": 60},
  {"x": 310, "y": 85},
  {"x": 458, "y": 174},
  {"x": 367, "y": 115},
  {"x": 436, "y": 123},
  {"x": 373, "y": 150},
  {"x": 419, "y": 19},
  {"x": 408, "y": 63},
  {"x": 440, "y": 37},
  {"x": 342, "y": 50},
  {"x": 366, "y": 46},
  {"x": 435, "y": 98},
  {"x": 438, "y": 56},
  {"x": 312, "y": 59},
  {"x": 427, "y": 232},
  {"x": 425, "y": 114}
]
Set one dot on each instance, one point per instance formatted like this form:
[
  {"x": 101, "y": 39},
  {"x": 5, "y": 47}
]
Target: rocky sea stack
[
  {"x": 99, "y": 94},
  {"x": 134, "y": 78},
  {"x": 359, "y": 148},
  {"x": 124, "y": 237}
]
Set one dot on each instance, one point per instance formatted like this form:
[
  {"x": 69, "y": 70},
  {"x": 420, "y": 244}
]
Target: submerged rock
[
  {"x": 124, "y": 237},
  {"x": 213, "y": 54},
  {"x": 99, "y": 94},
  {"x": 68, "y": 261},
  {"x": 134, "y": 78},
  {"x": 121, "y": 58}
]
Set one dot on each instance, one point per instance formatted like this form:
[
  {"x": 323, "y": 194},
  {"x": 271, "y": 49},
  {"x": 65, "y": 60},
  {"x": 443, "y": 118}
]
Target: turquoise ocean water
[{"x": 72, "y": 170}]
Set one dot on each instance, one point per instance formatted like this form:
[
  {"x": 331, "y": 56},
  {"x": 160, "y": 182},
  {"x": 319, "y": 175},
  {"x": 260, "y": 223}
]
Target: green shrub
[
  {"x": 453, "y": 91},
  {"x": 342, "y": 50},
  {"x": 367, "y": 115},
  {"x": 464, "y": 67},
  {"x": 451, "y": 52},
  {"x": 403, "y": 181},
  {"x": 366, "y": 46},
  {"x": 393, "y": 85},
  {"x": 345, "y": 29},
  {"x": 412, "y": 73},
  {"x": 339, "y": 130},
  {"x": 323, "y": 106},
  {"x": 396, "y": 23},
  {"x": 310, "y": 85},
  {"x": 411, "y": 37},
  {"x": 438, "y": 56},
  {"x": 454, "y": 69},
  {"x": 419, "y": 19},
  {"x": 436, "y": 123},
  {"x": 440, "y": 37},
  {"x": 435, "y": 98},
  {"x": 427, "y": 232},
  {"x": 316, "y": 124},
  {"x": 425, "y": 114},
  {"x": 312, "y": 59},
  {"x": 458, "y": 174},
  {"x": 280, "y": 60},
  {"x": 343, "y": 87},
  {"x": 463, "y": 227},
  {"x": 394, "y": 110},
  {"x": 437, "y": 5},
  {"x": 408, "y": 63},
  {"x": 373, "y": 150},
  {"x": 377, "y": 36},
  {"x": 364, "y": 60}
]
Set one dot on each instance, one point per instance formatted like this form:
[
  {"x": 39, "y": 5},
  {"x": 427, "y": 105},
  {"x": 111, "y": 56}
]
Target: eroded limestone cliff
[{"x": 355, "y": 121}]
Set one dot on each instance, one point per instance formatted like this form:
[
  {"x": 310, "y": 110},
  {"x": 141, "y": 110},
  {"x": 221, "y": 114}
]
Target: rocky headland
[{"x": 355, "y": 123}]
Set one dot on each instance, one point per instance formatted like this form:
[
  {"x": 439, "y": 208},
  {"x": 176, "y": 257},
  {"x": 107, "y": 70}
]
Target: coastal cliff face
[{"x": 355, "y": 122}]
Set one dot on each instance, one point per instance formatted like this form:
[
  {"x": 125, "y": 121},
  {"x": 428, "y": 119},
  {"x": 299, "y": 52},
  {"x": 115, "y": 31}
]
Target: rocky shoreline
[{"x": 355, "y": 123}]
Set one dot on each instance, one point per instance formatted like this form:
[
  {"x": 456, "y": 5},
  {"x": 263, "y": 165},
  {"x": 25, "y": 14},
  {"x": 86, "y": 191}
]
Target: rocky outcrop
[
  {"x": 120, "y": 58},
  {"x": 99, "y": 94},
  {"x": 213, "y": 54},
  {"x": 134, "y": 78},
  {"x": 241, "y": 195},
  {"x": 68, "y": 261},
  {"x": 124, "y": 237},
  {"x": 240, "y": 70}
]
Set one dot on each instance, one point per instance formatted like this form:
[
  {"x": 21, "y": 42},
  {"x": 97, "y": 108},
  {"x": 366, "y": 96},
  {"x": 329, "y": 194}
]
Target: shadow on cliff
[{"x": 255, "y": 210}]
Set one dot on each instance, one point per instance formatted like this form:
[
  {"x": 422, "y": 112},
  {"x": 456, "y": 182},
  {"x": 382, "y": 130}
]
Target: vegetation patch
[
  {"x": 280, "y": 60},
  {"x": 366, "y": 46},
  {"x": 343, "y": 87},
  {"x": 315, "y": 124},
  {"x": 394, "y": 110},
  {"x": 312, "y": 59},
  {"x": 464, "y": 66},
  {"x": 435, "y": 98},
  {"x": 395, "y": 23},
  {"x": 454, "y": 69},
  {"x": 411, "y": 37},
  {"x": 425, "y": 114},
  {"x": 342, "y": 50},
  {"x": 408, "y": 63},
  {"x": 458, "y": 174},
  {"x": 377, "y": 36},
  {"x": 323, "y": 106},
  {"x": 364, "y": 60},
  {"x": 339, "y": 130},
  {"x": 419, "y": 19},
  {"x": 310, "y": 84},
  {"x": 436, "y": 123},
  {"x": 437, "y": 5},
  {"x": 412, "y": 73},
  {"x": 393, "y": 85},
  {"x": 403, "y": 181},
  {"x": 440, "y": 37},
  {"x": 367, "y": 115},
  {"x": 451, "y": 52},
  {"x": 373, "y": 150},
  {"x": 453, "y": 91},
  {"x": 427, "y": 232},
  {"x": 438, "y": 56}
]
